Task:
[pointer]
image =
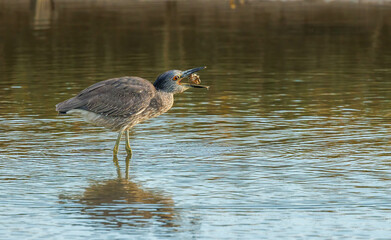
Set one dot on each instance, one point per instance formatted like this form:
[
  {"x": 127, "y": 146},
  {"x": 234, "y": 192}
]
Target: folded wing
[{"x": 115, "y": 97}]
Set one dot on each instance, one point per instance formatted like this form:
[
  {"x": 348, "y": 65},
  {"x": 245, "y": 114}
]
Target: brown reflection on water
[{"x": 118, "y": 202}]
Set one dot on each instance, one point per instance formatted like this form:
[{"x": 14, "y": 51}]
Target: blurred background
[{"x": 292, "y": 139}]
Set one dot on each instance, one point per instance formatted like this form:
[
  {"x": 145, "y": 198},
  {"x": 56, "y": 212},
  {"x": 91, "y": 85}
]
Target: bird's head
[{"x": 170, "y": 81}]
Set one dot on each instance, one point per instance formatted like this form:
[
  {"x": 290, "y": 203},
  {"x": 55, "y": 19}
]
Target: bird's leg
[
  {"x": 115, "y": 160},
  {"x": 127, "y": 165},
  {"x": 127, "y": 145},
  {"x": 115, "y": 150}
]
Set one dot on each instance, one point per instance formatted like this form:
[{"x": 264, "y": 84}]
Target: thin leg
[
  {"x": 127, "y": 146},
  {"x": 115, "y": 160},
  {"x": 115, "y": 150},
  {"x": 127, "y": 164}
]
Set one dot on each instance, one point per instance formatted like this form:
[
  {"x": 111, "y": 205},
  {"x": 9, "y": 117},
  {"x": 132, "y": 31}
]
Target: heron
[{"x": 120, "y": 103}]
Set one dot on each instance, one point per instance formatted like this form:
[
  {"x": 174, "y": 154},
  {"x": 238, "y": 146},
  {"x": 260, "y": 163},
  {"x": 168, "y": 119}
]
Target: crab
[{"x": 195, "y": 78}]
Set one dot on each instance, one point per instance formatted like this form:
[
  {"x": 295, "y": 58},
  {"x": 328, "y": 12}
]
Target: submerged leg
[
  {"x": 127, "y": 145},
  {"x": 115, "y": 150},
  {"x": 127, "y": 166},
  {"x": 115, "y": 160}
]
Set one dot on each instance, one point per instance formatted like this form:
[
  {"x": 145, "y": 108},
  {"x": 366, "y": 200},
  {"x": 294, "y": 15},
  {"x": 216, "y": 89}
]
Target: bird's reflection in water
[
  {"x": 127, "y": 166},
  {"x": 121, "y": 202}
]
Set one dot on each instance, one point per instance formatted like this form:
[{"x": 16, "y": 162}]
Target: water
[{"x": 291, "y": 141}]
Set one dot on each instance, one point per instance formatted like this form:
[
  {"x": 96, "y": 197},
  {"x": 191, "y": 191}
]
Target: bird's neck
[
  {"x": 165, "y": 98},
  {"x": 164, "y": 93}
]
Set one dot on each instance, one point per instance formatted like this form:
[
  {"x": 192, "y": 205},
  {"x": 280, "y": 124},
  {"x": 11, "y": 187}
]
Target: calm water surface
[{"x": 291, "y": 141}]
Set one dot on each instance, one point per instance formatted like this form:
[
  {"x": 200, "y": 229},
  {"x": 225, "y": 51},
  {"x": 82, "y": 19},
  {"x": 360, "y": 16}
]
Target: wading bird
[{"x": 120, "y": 103}]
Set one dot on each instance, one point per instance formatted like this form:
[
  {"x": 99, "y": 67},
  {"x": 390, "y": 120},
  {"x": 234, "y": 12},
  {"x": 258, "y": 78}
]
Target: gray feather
[{"x": 115, "y": 97}]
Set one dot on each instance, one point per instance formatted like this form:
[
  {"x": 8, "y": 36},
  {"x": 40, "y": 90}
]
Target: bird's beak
[
  {"x": 189, "y": 85},
  {"x": 191, "y": 71},
  {"x": 188, "y": 73}
]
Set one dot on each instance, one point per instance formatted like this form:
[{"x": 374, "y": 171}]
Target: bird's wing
[{"x": 113, "y": 97}]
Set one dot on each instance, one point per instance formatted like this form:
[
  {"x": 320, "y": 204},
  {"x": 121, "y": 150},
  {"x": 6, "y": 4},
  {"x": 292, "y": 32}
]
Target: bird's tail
[{"x": 63, "y": 107}]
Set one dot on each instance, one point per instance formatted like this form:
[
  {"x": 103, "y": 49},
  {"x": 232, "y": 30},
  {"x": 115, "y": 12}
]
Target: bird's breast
[{"x": 160, "y": 103}]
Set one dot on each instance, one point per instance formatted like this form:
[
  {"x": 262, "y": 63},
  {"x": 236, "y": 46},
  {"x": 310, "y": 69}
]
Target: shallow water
[{"x": 291, "y": 141}]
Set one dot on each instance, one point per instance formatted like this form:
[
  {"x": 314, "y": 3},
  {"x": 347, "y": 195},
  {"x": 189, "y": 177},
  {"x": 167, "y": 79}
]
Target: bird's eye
[{"x": 175, "y": 78}]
